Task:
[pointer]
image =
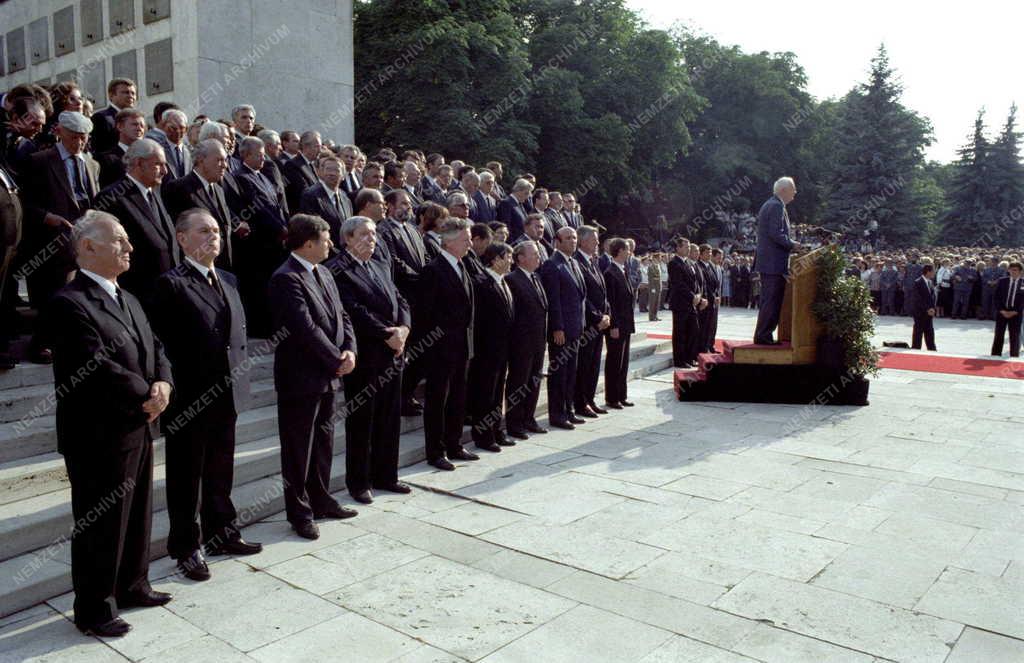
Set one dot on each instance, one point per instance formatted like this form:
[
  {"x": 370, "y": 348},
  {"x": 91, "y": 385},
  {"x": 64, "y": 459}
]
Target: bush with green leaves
[{"x": 843, "y": 306}]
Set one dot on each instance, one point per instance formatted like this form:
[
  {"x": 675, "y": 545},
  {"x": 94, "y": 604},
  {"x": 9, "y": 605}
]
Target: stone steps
[{"x": 34, "y": 524}]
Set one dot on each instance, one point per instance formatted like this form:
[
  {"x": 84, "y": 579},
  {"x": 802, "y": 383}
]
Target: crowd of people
[{"x": 157, "y": 248}]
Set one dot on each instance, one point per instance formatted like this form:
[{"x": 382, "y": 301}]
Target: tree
[
  {"x": 1007, "y": 183},
  {"x": 970, "y": 216},
  {"x": 879, "y": 146}
]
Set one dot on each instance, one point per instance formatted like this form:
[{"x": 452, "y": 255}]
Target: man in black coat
[
  {"x": 596, "y": 321},
  {"x": 566, "y": 292},
  {"x": 923, "y": 309},
  {"x": 621, "y": 296},
  {"x": 447, "y": 307},
  {"x": 300, "y": 170},
  {"x": 1009, "y": 302},
  {"x": 512, "y": 211},
  {"x": 122, "y": 93},
  {"x": 373, "y": 391},
  {"x": 326, "y": 199},
  {"x": 526, "y": 351},
  {"x": 10, "y": 236},
  {"x": 685, "y": 300},
  {"x": 316, "y": 349},
  {"x": 706, "y": 317},
  {"x": 202, "y": 188},
  {"x": 114, "y": 381},
  {"x": 130, "y": 125},
  {"x": 198, "y": 314}
]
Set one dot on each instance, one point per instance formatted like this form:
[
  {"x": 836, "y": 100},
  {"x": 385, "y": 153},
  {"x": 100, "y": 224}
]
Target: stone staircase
[{"x": 35, "y": 507}]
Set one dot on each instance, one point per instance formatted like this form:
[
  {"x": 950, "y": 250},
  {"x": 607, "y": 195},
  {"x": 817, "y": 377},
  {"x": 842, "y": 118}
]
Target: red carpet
[{"x": 932, "y": 363}]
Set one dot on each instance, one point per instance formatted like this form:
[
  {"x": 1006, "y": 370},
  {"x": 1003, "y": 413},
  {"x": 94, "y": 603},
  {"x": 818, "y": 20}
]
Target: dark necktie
[
  {"x": 540, "y": 289},
  {"x": 124, "y": 306},
  {"x": 337, "y": 205},
  {"x": 1012, "y": 297},
  {"x": 463, "y": 277},
  {"x": 373, "y": 277},
  {"x": 154, "y": 210},
  {"x": 215, "y": 283},
  {"x": 81, "y": 193}
]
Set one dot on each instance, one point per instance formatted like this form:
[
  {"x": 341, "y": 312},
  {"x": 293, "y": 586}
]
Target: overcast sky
[{"x": 953, "y": 59}]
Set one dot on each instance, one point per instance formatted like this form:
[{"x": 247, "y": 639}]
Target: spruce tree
[
  {"x": 969, "y": 220},
  {"x": 1006, "y": 179}
]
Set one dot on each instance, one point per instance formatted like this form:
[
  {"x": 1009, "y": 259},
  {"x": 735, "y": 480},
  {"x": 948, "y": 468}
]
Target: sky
[{"x": 952, "y": 59}]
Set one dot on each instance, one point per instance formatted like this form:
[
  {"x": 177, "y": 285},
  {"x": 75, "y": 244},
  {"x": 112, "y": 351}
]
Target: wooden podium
[{"x": 799, "y": 329}]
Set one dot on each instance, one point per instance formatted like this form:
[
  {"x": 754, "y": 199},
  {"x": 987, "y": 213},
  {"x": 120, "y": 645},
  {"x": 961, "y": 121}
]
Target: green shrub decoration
[{"x": 843, "y": 306}]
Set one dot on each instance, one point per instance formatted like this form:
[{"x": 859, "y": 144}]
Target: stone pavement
[{"x": 666, "y": 533}]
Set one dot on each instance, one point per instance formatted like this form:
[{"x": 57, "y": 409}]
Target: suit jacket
[
  {"x": 712, "y": 282},
  {"x": 112, "y": 166},
  {"x": 482, "y": 209},
  {"x": 109, "y": 361},
  {"x": 316, "y": 330},
  {"x": 530, "y": 323},
  {"x": 11, "y": 215},
  {"x": 446, "y": 307},
  {"x": 924, "y": 297},
  {"x": 683, "y": 285},
  {"x": 595, "y": 305},
  {"x": 104, "y": 131},
  {"x": 176, "y": 166},
  {"x": 46, "y": 189},
  {"x": 314, "y": 200},
  {"x": 543, "y": 248},
  {"x": 512, "y": 214},
  {"x": 566, "y": 290},
  {"x": 299, "y": 176},
  {"x": 351, "y": 185},
  {"x": 430, "y": 190},
  {"x": 555, "y": 220},
  {"x": 188, "y": 192},
  {"x": 773, "y": 242},
  {"x": 495, "y": 314},
  {"x": 373, "y": 305},
  {"x": 272, "y": 171},
  {"x": 620, "y": 300},
  {"x": 1002, "y": 295},
  {"x": 432, "y": 244},
  {"x": 204, "y": 337},
  {"x": 155, "y": 248},
  {"x": 266, "y": 217}
]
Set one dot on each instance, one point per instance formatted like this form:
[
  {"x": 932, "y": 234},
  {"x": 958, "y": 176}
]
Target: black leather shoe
[
  {"x": 462, "y": 454},
  {"x": 613, "y": 406},
  {"x": 7, "y": 362},
  {"x": 194, "y": 567},
  {"x": 307, "y": 529},
  {"x": 396, "y": 487},
  {"x": 237, "y": 546},
  {"x": 577, "y": 420},
  {"x": 518, "y": 434},
  {"x": 535, "y": 428},
  {"x": 565, "y": 425},
  {"x": 364, "y": 497},
  {"x": 625, "y": 404},
  {"x": 148, "y": 599},
  {"x": 42, "y": 356},
  {"x": 598, "y": 410},
  {"x": 489, "y": 446},
  {"x": 441, "y": 463},
  {"x": 115, "y": 628},
  {"x": 586, "y": 412},
  {"x": 505, "y": 442},
  {"x": 336, "y": 512}
]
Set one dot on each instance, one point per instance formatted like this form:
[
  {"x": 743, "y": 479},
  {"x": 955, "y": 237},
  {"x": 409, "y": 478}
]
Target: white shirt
[
  {"x": 454, "y": 262},
  {"x": 206, "y": 185},
  {"x": 305, "y": 263},
  {"x": 364, "y": 263},
  {"x": 494, "y": 275},
  {"x": 204, "y": 270},
  {"x": 109, "y": 287},
  {"x": 142, "y": 187},
  {"x": 330, "y": 192}
]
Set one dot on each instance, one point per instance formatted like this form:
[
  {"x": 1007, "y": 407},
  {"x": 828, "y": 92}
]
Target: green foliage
[{"x": 843, "y": 306}]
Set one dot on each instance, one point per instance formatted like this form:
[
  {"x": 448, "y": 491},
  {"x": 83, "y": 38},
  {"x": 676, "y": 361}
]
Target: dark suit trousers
[
  {"x": 685, "y": 337},
  {"x": 925, "y": 326},
  {"x": 1002, "y": 324},
  {"x": 444, "y": 407},
  {"x": 486, "y": 395},
  {"x": 111, "y": 499},
  {"x": 200, "y": 473},
  {"x": 712, "y": 328},
  {"x": 523, "y": 389},
  {"x": 773, "y": 288},
  {"x": 616, "y": 368},
  {"x": 373, "y": 422},
  {"x": 416, "y": 365},
  {"x": 562, "y": 362},
  {"x": 306, "y": 428},
  {"x": 588, "y": 367}
]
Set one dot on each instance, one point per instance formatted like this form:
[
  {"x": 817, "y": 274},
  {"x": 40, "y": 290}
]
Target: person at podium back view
[{"x": 771, "y": 259}]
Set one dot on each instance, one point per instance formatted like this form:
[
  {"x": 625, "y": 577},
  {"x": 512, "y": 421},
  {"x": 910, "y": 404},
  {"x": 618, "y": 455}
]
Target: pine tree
[
  {"x": 969, "y": 220},
  {"x": 1006, "y": 178},
  {"x": 879, "y": 147}
]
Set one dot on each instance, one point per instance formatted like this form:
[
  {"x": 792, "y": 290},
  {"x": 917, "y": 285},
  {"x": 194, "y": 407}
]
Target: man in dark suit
[
  {"x": 170, "y": 133},
  {"x": 446, "y": 302},
  {"x": 512, "y": 212},
  {"x": 596, "y": 319},
  {"x": 526, "y": 352},
  {"x": 114, "y": 382},
  {"x": 1009, "y": 303},
  {"x": 411, "y": 175},
  {"x": 566, "y": 291},
  {"x": 262, "y": 248},
  {"x": 707, "y": 318},
  {"x": 772, "y": 257},
  {"x": 198, "y": 314},
  {"x": 621, "y": 296},
  {"x": 122, "y": 93},
  {"x": 430, "y": 189},
  {"x": 923, "y": 309},
  {"x": 534, "y": 232},
  {"x": 572, "y": 218},
  {"x": 373, "y": 391},
  {"x": 300, "y": 171},
  {"x": 352, "y": 182},
  {"x": 135, "y": 201},
  {"x": 130, "y": 125},
  {"x": 326, "y": 199},
  {"x": 685, "y": 300},
  {"x": 202, "y": 188},
  {"x": 272, "y": 166},
  {"x": 318, "y": 347},
  {"x": 10, "y": 236}
]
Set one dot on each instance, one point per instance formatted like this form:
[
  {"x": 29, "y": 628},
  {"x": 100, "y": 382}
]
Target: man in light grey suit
[{"x": 170, "y": 133}]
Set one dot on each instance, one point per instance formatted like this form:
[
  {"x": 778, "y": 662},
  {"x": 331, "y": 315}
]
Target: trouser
[
  {"x": 642, "y": 296},
  {"x": 888, "y": 302},
  {"x": 711, "y": 329},
  {"x": 988, "y": 303},
  {"x": 200, "y": 472},
  {"x": 685, "y": 332},
  {"x": 373, "y": 422},
  {"x": 616, "y": 368},
  {"x": 1002, "y": 324},
  {"x": 562, "y": 361},
  {"x": 923, "y": 326},
  {"x": 8, "y": 295},
  {"x": 111, "y": 500},
  {"x": 444, "y": 407},
  {"x": 588, "y": 368},
  {"x": 653, "y": 301},
  {"x": 523, "y": 388},
  {"x": 306, "y": 429},
  {"x": 491, "y": 371},
  {"x": 961, "y": 303},
  {"x": 773, "y": 289}
]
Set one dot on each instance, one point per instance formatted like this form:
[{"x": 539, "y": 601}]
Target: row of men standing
[{"x": 695, "y": 282}]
